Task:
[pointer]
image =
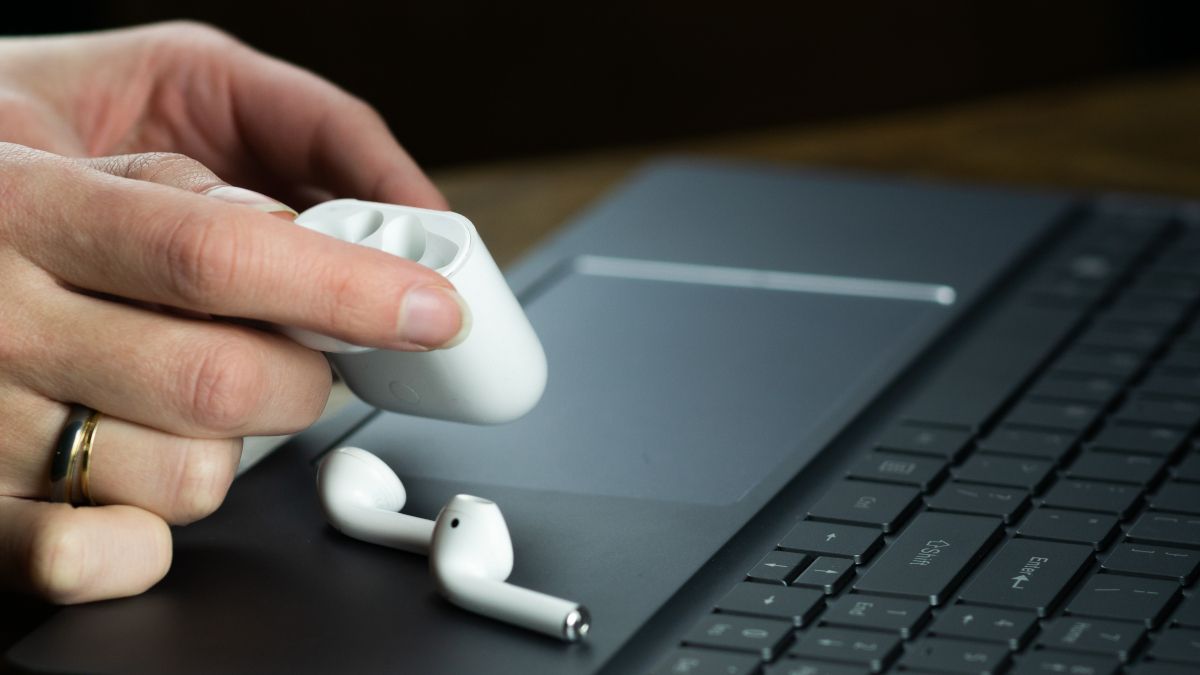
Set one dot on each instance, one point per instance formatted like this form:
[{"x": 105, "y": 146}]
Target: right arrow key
[{"x": 1028, "y": 574}]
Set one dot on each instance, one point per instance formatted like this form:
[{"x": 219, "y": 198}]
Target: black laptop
[{"x": 797, "y": 422}]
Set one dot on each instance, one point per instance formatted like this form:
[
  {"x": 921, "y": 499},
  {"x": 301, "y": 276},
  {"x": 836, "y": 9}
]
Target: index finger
[{"x": 165, "y": 245}]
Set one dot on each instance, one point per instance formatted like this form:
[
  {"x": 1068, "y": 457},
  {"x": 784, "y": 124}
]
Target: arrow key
[
  {"x": 798, "y": 605},
  {"x": 778, "y": 567},
  {"x": 1092, "y": 635},
  {"x": 986, "y": 624},
  {"x": 847, "y": 541},
  {"x": 827, "y": 574}
]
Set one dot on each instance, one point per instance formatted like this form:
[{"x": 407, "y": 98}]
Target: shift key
[{"x": 930, "y": 556}]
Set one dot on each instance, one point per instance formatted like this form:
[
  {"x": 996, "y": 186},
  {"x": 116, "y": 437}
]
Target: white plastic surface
[{"x": 496, "y": 375}]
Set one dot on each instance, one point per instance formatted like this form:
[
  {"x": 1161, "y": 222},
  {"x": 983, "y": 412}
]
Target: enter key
[{"x": 1028, "y": 574}]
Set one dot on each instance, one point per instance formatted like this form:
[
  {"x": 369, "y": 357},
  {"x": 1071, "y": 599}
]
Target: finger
[
  {"x": 154, "y": 243},
  {"x": 185, "y": 173},
  {"x": 178, "y": 479},
  {"x": 192, "y": 377},
  {"x": 300, "y": 128},
  {"x": 69, "y": 555}
]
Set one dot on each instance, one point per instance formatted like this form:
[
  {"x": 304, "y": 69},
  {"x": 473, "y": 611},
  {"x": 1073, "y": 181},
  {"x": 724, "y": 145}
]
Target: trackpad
[{"x": 668, "y": 389}]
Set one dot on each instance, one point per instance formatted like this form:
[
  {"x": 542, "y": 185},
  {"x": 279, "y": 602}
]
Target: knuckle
[
  {"x": 188, "y": 33},
  {"x": 151, "y": 166},
  {"x": 57, "y": 560},
  {"x": 203, "y": 480},
  {"x": 226, "y": 386},
  {"x": 200, "y": 257}
]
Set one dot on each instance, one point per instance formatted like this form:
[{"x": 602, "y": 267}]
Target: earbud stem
[
  {"x": 394, "y": 530},
  {"x": 556, "y": 617}
]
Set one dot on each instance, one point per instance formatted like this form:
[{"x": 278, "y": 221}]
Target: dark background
[{"x": 468, "y": 81}]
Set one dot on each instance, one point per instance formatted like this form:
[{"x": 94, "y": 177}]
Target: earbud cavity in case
[{"x": 497, "y": 374}]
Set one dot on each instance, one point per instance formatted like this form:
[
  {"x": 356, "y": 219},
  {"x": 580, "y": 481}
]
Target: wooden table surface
[{"x": 1138, "y": 134}]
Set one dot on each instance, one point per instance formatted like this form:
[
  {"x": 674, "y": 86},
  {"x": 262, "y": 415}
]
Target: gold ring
[
  {"x": 72, "y": 457},
  {"x": 85, "y": 459}
]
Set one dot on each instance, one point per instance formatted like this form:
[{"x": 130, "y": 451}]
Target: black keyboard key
[
  {"x": 1176, "y": 414},
  {"x": 895, "y": 468},
  {"x": 1159, "y": 668},
  {"x": 1048, "y": 662},
  {"x": 1094, "y": 529},
  {"x": 1181, "y": 361},
  {"x": 865, "y": 611},
  {"x": 873, "y": 650},
  {"x": 930, "y": 556},
  {"x": 1116, "y": 467},
  {"x": 1113, "y": 363},
  {"x": 1171, "y": 384},
  {"x": 954, "y": 656},
  {"x": 790, "y": 667},
  {"x": 1189, "y": 468},
  {"x": 1124, "y": 598},
  {"x": 1142, "y": 338},
  {"x": 1096, "y": 636},
  {"x": 866, "y": 503},
  {"x": 848, "y": 541},
  {"x": 1147, "y": 308},
  {"x": 1048, "y": 445},
  {"x": 1028, "y": 474},
  {"x": 1085, "y": 495},
  {"x": 1004, "y": 503},
  {"x": 1028, "y": 574},
  {"x": 924, "y": 440},
  {"x": 826, "y": 574},
  {"x": 1189, "y": 613},
  {"x": 981, "y": 372},
  {"x": 763, "y": 637},
  {"x": 1153, "y": 560},
  {"x": 1095, "y": 389},
  {"x": 1177, "y": 645},
  {"x": 797, "y": 605},
  {"x": 778, "y": 567},
  {"x": 1065, "y": 416},
  {"x": 1177, "y": 497},
  {"x": 1166, "y": 528},
  {"x": 707, "y": 662},
  {"x": 985, "y": 623},
  {"x": 1138, "y": 439}
]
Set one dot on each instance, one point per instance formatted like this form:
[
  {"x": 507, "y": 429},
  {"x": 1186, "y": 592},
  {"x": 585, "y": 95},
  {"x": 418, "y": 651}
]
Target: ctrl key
[
  {"x": 687, "y": 661},
  {"x": 762, "y": 637}
]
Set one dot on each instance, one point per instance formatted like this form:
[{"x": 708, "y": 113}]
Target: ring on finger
[{"x": 70, "y": 466}]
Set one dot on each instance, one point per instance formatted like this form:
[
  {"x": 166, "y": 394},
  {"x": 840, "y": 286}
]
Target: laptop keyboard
[{"x": 1037, "y": 510}]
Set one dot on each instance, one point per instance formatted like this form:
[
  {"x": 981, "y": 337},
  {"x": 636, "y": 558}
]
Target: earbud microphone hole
[{"x": 454, "y": 523}]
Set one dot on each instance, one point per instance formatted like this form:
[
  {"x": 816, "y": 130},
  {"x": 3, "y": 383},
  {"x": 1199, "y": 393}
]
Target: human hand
[{"x": 113, "y": 266}]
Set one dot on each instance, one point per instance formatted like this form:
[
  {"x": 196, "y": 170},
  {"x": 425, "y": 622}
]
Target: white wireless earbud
[
  {"x": 471, "y": 557},
  {"x": 362, "y": 497},
  {"x": 470, "y": 551}
]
